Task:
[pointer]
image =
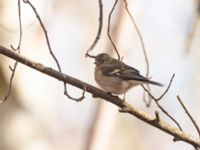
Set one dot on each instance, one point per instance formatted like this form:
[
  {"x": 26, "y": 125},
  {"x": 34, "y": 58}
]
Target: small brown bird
[{"x": 116, "y": 77}]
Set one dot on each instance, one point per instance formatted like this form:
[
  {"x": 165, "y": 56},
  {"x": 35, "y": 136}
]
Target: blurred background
[{"x": 38, "y": 116}]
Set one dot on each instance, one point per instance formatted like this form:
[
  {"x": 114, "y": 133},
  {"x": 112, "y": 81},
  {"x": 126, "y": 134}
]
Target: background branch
[
  {"x": 125, "y": 106},
  {"x": 13, "y": 70},
  {"x": 147, "y": 102}
]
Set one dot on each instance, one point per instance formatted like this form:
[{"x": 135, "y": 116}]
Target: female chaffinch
[{"x": 116, "y": 77}]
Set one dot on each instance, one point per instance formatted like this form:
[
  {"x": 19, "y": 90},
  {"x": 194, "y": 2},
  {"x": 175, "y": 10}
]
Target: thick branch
[{"x": 126, "y": 107}]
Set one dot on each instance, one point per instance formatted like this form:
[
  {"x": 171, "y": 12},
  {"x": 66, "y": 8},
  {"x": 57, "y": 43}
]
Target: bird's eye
[{"x": 103, "y": 60}]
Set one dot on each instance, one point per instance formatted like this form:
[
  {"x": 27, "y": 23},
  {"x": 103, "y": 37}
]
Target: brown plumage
[{"x": 116, "y": 77}]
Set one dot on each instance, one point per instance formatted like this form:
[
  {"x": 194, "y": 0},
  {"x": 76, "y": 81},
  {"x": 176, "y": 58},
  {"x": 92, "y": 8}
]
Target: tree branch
[
  {"x": 189, "y": 115},
  {"x": 126, "y": 107}
]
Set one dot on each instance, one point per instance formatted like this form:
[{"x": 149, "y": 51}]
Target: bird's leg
[
  {"x": 109, "y": 93},
  {"x": 124, "y": 97},
  {"x": 123, "y": 109}
]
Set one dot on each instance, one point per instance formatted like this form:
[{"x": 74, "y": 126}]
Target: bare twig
[
  {"x": 167, "y": 114},
  {"x": 157, "y": 116},
  {"x": 13, "y": 70},
  {"x": 148, "y": 103},
  {"x": 159, "y": 98},
  {"x": 75, "y": 99},
  {"x": 140, "y": 37},
  {"x": 10, "y": 83},
  {"x": 108, "y": 29},
  {"x": 189, "y": 115},
  {"x": 162, "y": 125},
  {"x": 167, "y": 89},
  {"x": 50, "y": 49},
  {"x": 20, "y": 28},
  {"x": 45, "y": 33},
  {"x": 99, "y": 30}
]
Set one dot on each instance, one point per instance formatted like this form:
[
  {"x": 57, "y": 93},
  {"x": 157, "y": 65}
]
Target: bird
[{"x": 116, "y": 77}]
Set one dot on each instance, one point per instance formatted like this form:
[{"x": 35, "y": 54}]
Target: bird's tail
[{"x": 155, "y": 83}]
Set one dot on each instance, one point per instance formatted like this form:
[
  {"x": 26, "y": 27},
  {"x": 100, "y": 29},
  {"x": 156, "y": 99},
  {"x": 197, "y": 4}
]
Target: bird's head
[{"x": 102, "y": 59}]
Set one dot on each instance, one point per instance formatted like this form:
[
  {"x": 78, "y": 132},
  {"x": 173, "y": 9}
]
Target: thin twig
[
  {"x": 99, "y": 30},
  {"x": 13, "y": 70},
  {"x": 167, "y": 89},
  {"x": 140, "y": 37},
  {"x": 20, "y": 28},
  {"x": 148, "y": 103},
  {"x": 49, "y": 46},
  {"x": 157, "y": 116},
  {"x": 10, "y": 83},
  {"x": 167, "y": 114},
  {"x": 189, "y": 115},
  {"x": 162, "y": 125},
  {"x": 159, "y": 98},
  {"x": 108, "y": 29},
  {"x": 45, "y": 33},
  {"x": 75, "y": 99}
]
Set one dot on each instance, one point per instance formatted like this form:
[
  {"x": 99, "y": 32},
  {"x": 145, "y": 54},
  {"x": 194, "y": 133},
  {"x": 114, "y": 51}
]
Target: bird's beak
[{"x": 96, "y": 63}]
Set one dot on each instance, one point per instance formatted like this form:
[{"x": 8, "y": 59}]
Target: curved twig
[
  {"x": 75, "y": 99},
  {"x": 108, "y": 29},
  {"x": 99, "y": 30},
  {"x": 140, "y": 37},
  {"x": 45, "y": 33},
  {"x": 148, "y": 103},
  {"x": 167, "y": 89}
]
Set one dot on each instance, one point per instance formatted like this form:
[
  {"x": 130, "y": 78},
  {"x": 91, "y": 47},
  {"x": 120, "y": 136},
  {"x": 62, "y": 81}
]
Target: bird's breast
[{"x": 111, "y": 84}]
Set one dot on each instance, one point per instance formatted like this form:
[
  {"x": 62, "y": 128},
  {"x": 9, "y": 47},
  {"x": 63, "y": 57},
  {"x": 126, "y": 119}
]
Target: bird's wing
[
  {"x": 126, "y": 72},
  {"x": 123, "y": 71},
  {"x": 130, "y": 74}
]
